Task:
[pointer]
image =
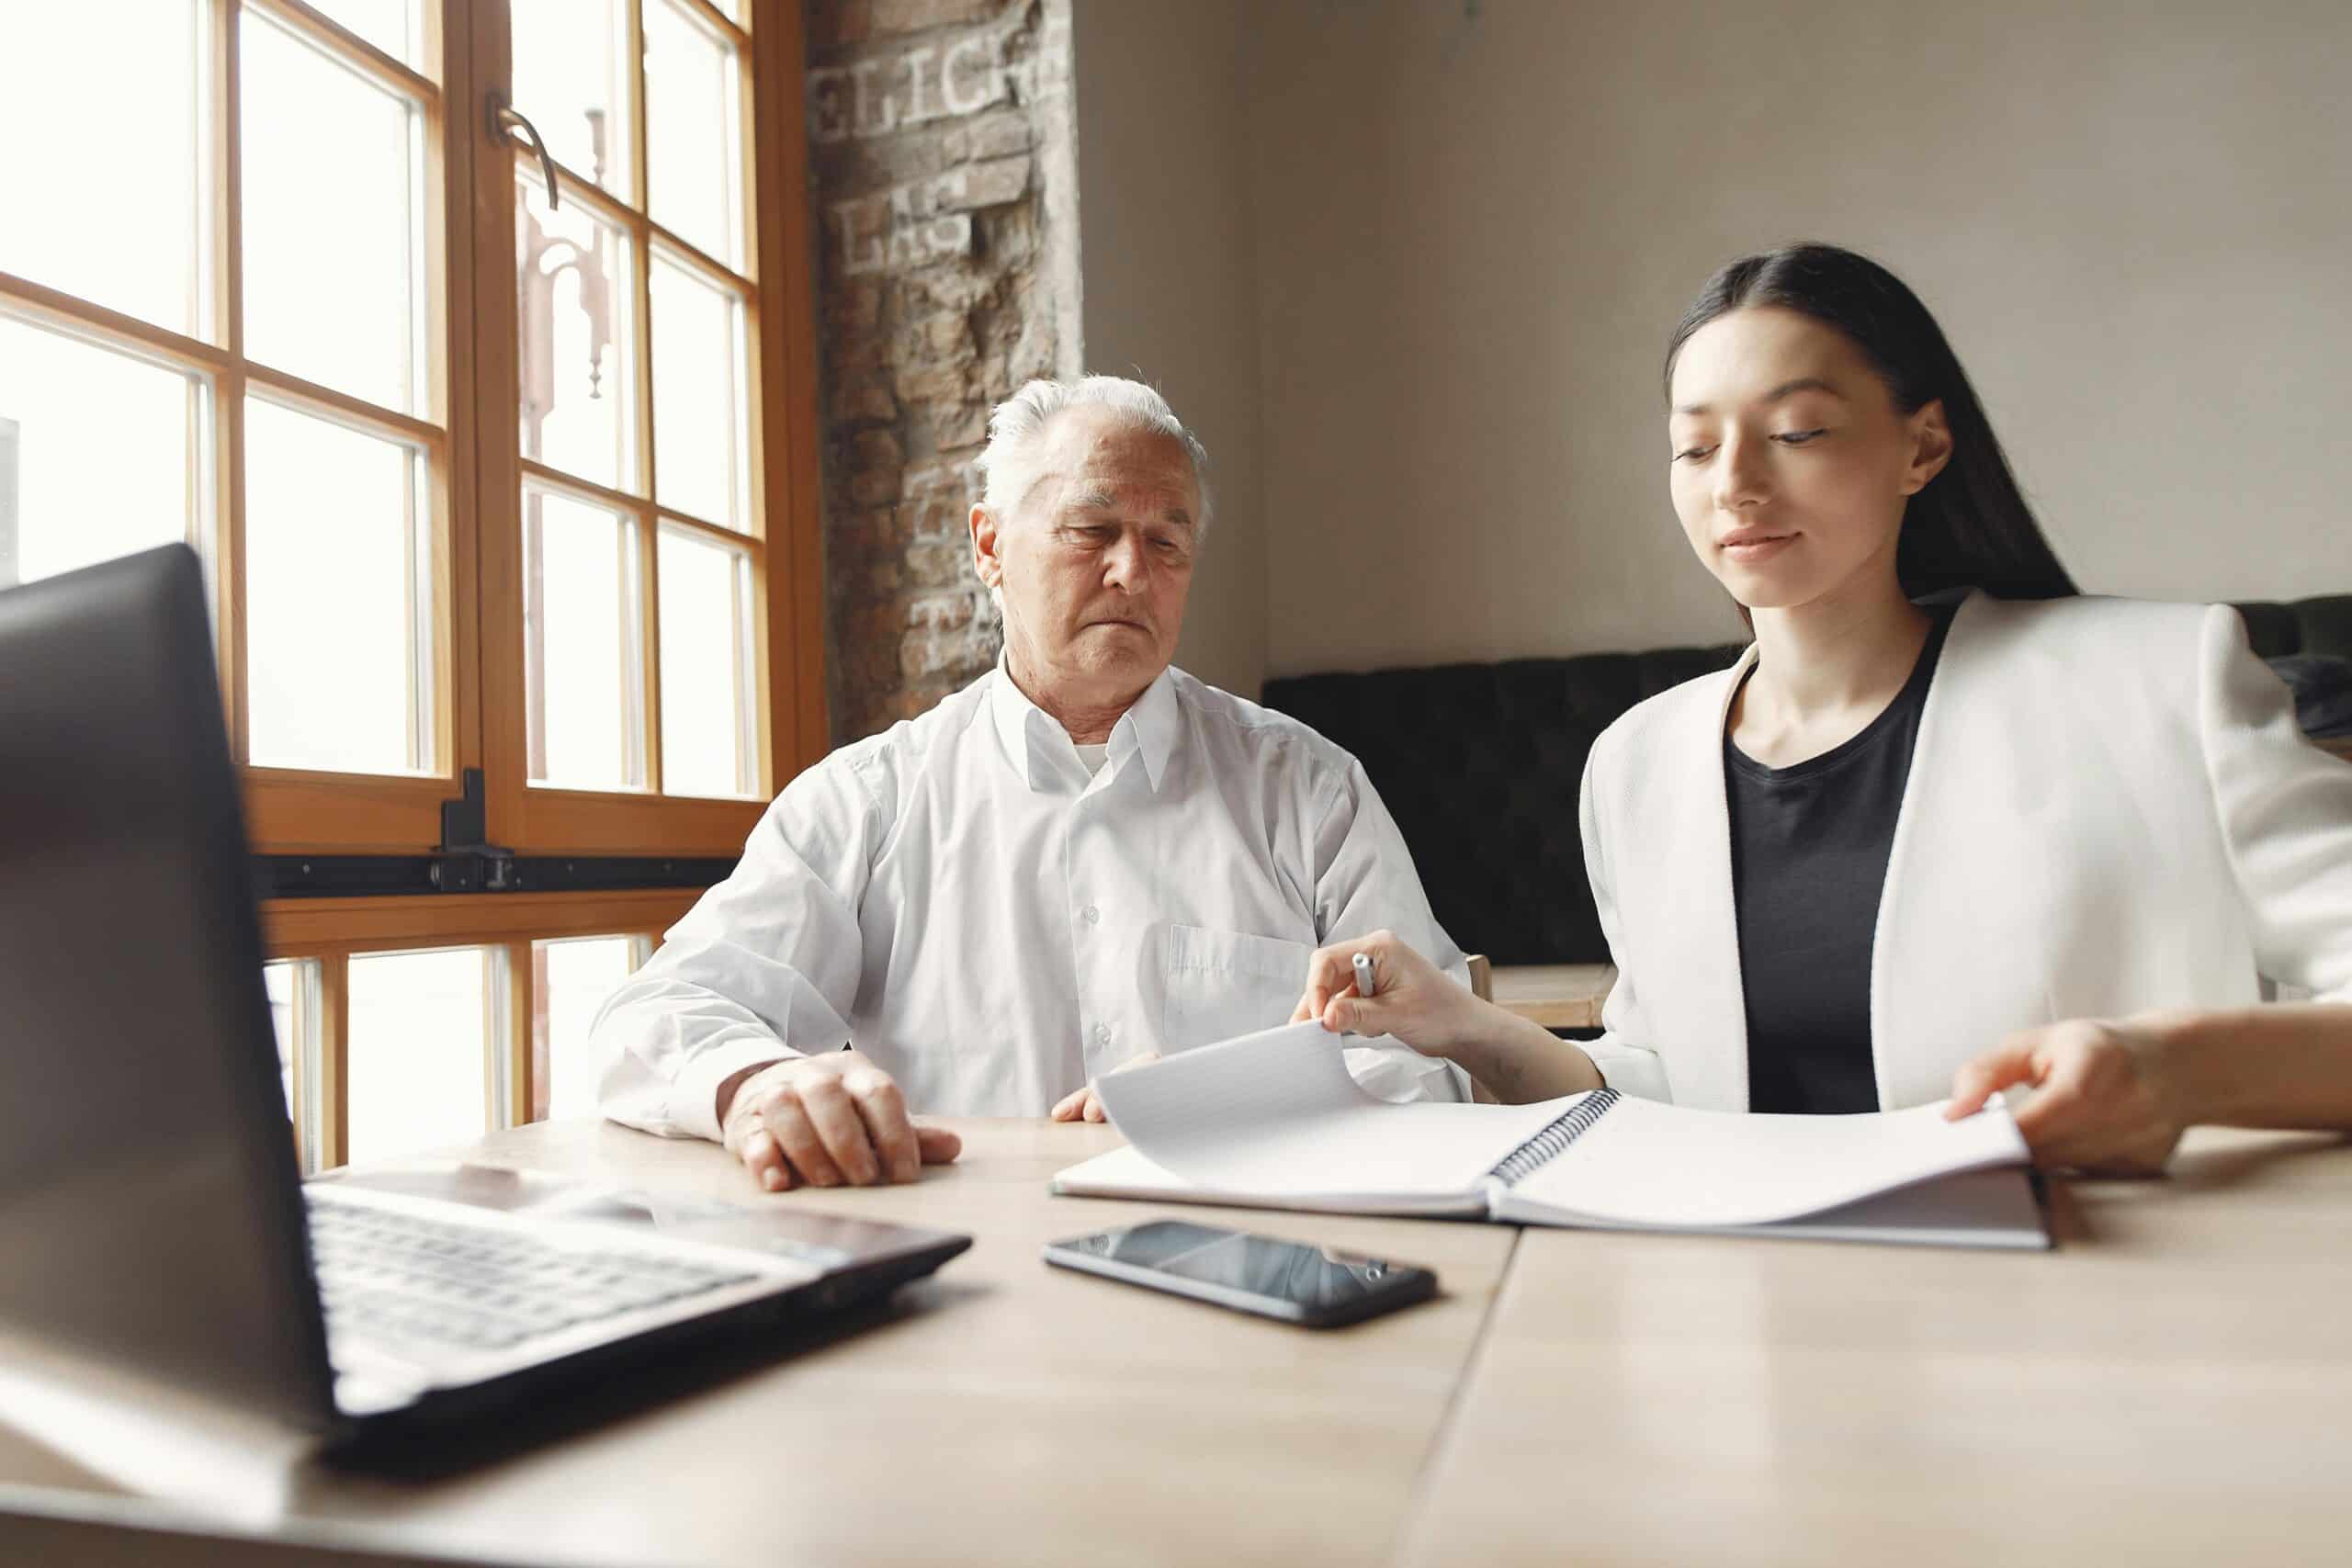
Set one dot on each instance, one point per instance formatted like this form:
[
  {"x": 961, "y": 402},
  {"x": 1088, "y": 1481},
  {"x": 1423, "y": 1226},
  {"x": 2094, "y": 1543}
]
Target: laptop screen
[{"x": 150, "y": 1201}]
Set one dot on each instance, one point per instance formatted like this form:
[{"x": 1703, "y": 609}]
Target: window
[
  {"x": 494, "y": 462},
  {"x": 407, "y": 1024},
  {"x": 635, "y": 504}
]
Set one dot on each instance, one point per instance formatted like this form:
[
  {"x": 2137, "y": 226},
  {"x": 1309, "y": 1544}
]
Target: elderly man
[{"x": 1083, "y": 858}]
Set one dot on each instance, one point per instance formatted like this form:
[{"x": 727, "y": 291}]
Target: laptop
[{"x": 152, "y": 1209}]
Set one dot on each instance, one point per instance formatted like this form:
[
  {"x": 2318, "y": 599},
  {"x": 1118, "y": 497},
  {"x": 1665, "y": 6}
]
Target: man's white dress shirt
[{"x": 995, "y": 925}]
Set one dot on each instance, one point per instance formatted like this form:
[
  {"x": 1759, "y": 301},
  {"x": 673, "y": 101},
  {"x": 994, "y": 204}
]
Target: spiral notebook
[{"x": 1273, "y": 1120}]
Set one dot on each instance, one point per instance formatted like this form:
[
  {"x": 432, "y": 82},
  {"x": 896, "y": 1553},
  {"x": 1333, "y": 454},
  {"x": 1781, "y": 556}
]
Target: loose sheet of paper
[
  {"x": 1276, "y": 1114},
  {"x": 1664, "y": 1166}
]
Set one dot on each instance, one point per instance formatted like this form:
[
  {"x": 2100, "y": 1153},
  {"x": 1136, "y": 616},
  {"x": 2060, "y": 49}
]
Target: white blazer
[{"x": 2109, "y": 809}]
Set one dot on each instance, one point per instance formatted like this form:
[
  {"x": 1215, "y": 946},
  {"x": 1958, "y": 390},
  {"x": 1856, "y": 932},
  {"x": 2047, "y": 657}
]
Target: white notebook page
[
  {"x": 1651, "y": 1165},
  {"x": 1276, "y": 1113}
]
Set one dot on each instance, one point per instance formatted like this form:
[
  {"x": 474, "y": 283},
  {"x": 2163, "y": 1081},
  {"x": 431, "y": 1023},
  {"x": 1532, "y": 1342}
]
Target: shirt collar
[{"x": 1035, "y": 743}]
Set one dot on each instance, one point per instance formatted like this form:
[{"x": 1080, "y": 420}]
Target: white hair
[{"x": 1010, "y": 465}]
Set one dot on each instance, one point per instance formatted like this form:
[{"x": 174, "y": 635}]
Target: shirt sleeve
[
  {"x": 1364, "y": 881},
  {"x": 1625, "y": 1066},
  {"x": 2285, "y": 812},
  {"x": 764, "y": 966}
]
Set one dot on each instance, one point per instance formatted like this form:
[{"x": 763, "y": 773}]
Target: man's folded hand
[{"x": 831, "y": 1121}]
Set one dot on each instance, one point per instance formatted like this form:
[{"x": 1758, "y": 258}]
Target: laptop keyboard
[{"x": 393, "y": 1274}]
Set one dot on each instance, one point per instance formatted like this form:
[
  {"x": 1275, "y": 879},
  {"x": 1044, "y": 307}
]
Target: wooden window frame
[
  {"x": 292, "y": 809},
  {"x": 782, "y": 534},
  {"x": 332, "y": 931},
  {"x": 467, "y": 433}
]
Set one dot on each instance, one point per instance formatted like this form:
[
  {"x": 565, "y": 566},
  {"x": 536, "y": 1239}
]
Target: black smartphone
[{"x": 1314, "y": 1286}]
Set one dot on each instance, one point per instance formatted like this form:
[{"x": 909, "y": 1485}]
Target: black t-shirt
[{"x": 1809, "y": 847}]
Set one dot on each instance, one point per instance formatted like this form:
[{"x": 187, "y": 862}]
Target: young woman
[{"x": 1946, "y": 827}]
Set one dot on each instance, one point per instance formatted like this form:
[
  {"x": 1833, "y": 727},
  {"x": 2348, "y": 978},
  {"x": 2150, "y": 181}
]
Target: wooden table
[
  {"x": 1008, "y": 1412},
  {"x": 1557, "y": 996},
  {"x": 2173, "y": 1384}
]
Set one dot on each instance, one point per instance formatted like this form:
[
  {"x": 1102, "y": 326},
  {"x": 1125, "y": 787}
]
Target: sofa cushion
[
  {"x": 2321, "y": 625},
  {"x": 1480, "y": 765}
]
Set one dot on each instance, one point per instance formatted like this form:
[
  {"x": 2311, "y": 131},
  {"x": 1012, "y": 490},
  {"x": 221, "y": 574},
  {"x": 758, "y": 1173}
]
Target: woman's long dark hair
[{"x": 1970, "y": 526}]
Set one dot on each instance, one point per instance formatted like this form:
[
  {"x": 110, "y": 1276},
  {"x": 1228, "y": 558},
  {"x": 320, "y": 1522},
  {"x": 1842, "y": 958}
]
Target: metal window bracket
[{"x": 462, "y": 863}]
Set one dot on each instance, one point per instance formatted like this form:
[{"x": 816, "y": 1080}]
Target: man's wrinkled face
[{"x": 1095, "y": 560}]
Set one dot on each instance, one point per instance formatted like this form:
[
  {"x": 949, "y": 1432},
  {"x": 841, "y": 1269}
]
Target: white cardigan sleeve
[
  {"x": 2285, "y": 812},
  {"x": 1624, "y": 1066}
]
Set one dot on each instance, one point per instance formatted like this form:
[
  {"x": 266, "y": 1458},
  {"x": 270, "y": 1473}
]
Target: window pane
[
  {"x": 293, "y": 989},
  {"x": 693, "y": 120},
  {"x": 579, "y": 335},
  {"x": 389, "y": 25},
  {"x": 102, "y": 156},
  {"x": 699, "y": 438},
  {"x": 332, "y": 250},
  {"x": 69, "y": 413},
  {"x": 573, "y": 980},
  {"x": 581, "y": 629},
  {"x": 570, "y": 78},
  {"x": 339, "y": 650},
  {"x": 707, "y": 690},
  {"x": 280, "y": 981},
  {"x": 420, "y": 1045}
]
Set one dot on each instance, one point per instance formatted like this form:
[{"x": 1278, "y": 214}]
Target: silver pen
[{"x": 1365, "y": 985}]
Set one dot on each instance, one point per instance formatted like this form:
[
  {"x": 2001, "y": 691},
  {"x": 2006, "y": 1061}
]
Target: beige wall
[
  {"x": 1168, "y": 261},
  {"x": 1474, "y": 235}
]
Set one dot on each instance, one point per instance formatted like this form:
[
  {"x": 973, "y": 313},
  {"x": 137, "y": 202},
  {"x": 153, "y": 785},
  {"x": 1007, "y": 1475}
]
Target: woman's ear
[{"x": 1930, "y": 446}]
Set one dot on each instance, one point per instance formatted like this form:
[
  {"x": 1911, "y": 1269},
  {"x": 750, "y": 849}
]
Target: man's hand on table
[
  {"x": 1086, "y": 1104},
  {"x": 830, "y": 1120}
]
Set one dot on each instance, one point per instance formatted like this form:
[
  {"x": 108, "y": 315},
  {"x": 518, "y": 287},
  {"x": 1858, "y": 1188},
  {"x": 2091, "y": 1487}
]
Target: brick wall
[{"x": 940, "y": 141}]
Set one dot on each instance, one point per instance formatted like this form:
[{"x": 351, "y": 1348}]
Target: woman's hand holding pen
[
  {"x": 1506, "y": 1057},
  {"x": 1412, "y": 999}
]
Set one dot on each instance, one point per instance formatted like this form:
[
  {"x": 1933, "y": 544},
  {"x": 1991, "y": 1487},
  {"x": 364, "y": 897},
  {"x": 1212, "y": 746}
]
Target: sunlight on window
[
  {"x": 573, "y": 980},
  {"x": 293, "y": 986},
  {"x": 392, "y": 26},
  {"x": 331, "y": 235},
  {"x": 337, "y": 595},
  {"x": 577, "y": 317},
  {"x": 280, "y": 980},
  {"x": 101, "y": 163},
  {"x": 699, "y": 409},
  {"x": 693, "y": 119},
  {"x": 706, "y": 678},
  {"x": 71, "y": 415},
  {"x": 420, "y": 1041},
  {"x": 581, "y": 641},
  {"x": 570, "y": 77}
]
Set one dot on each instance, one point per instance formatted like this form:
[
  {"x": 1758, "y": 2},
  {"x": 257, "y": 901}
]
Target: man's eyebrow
[
  {"x": 1785, "y": 389},
  {"x": 1103, "y": 500}
]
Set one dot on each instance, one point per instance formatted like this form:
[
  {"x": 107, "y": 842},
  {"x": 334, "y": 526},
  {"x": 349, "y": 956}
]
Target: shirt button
[
  {"x": 1093, "y": 916},
  {"x": 1101, "y": 1034}
]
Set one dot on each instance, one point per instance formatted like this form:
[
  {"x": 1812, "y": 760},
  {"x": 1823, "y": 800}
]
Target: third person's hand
[{"x": 1086, "y": 1104}]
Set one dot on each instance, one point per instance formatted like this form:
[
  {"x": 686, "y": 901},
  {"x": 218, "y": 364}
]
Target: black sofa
[{"x": 1481, "y": 763}]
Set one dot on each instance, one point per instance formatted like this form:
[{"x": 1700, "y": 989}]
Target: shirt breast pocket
[{"x": 1221, "y": 983}]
